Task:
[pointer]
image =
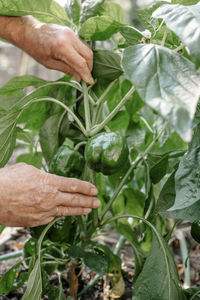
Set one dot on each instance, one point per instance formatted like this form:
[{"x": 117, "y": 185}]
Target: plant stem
[
  {"x": 100, "y": 126},
  {"x": 184, "y": 255},
  {"x": 82, "y": 128},
  {"x": 164, "y": 37},
  {"x": 86, "y": 106},
  {"x": 132, "y": 167},
  {"x": 181, "y": 47},
  {"x": 79, "y": 145}
]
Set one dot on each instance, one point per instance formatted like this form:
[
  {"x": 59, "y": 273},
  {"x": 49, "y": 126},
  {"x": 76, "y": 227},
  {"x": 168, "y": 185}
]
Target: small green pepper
[
  {"x": 195, "y": 231},
  {"x": 67, "y": 161},
  {"x": 106, "y": 152}
]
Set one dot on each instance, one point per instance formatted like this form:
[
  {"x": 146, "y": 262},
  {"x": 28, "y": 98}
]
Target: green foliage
[{"x": 146, "y": 90}]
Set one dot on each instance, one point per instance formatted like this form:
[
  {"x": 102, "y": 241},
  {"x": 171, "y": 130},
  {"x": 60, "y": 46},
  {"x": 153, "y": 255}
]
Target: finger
[
  {"x": 84, "y": 50},
  {"x": 72, "y": 185},
  {"x": 59, "y": 65},
  {"x": 71, "y": 211},
  {"x": 78, "y": 63},
  {"x": 76, "y": 200}
]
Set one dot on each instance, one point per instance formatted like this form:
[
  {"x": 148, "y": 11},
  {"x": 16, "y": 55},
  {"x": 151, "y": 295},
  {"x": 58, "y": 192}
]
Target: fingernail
[
  {"x": 94, "y": 191},
  {"x": 87, "y": 210},
  {"x": 97, "y": 203}
]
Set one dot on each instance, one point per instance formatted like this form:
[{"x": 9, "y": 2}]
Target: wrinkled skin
[
  {"x": 54, "y": 46},
  {"x": 30, "y": 197}
]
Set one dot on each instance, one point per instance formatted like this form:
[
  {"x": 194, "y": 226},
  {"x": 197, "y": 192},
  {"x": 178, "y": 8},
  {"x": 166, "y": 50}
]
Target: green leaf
[
  {"x": 132, "y": 35},
  {"x": 35, "y": 115},
  {"x": 187, "y": 177},
  {"x": 99, "y": 28},
  {"x": 34, "y": 285},
  {"x": 34, "y": 159},
  {"x": 7, "y": 136},
  {"x": 13, "y": 90},
  {"x": 113, "y": 10},
  {"x": 95, "y": 262},
  {"x": 159, "y": 272},
  {"x": 48, "y": 11},
  {"x": 185, "y": 22},
  {"x": 166, "y": 81},
  {"x": 166, "y": 200},
  {"x": 2, "y": 228},
  {"x": 120, "y": 121},
  {"x": 135, "y": 201},
  {"x": 106, "y": 65},
  {"x": 49, "y": 136},
  {"x": 8, "y": 279},
  {"x": 89, "y": 8},
  {"x": 127, "y": 231},
  {"x": 158, "y": 166},
  {"x": 73, "y": 10}
]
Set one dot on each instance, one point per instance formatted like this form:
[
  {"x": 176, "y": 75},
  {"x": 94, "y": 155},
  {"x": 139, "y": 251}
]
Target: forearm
[{"x": 14, "y": 29}]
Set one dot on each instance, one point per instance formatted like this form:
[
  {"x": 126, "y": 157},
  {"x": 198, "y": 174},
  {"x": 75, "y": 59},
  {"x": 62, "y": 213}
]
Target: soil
[{"x": 100, "y": 291}]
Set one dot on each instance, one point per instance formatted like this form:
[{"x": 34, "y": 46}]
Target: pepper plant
[{"x": 134, "y": 134}]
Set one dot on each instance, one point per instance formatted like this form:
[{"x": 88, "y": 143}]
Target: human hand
[
  {"x": 54, "y": 46},
  {"x": 30, "y": 197}
]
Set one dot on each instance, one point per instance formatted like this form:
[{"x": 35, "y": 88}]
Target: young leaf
[
  {"x": 89, "y": 8},
  {"x": 48, "y": 10},
  {"x": 106, "y": 65},
  {"x": 159, "y": 272},
  {"x": 187, "y": 177},
  {"x": 99, "y": 28},
  {"x": 165, "y": 81},
  {"x": 185, "y": 22}
]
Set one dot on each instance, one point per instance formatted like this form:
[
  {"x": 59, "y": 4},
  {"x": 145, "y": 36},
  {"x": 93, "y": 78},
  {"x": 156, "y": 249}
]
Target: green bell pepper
[
  {"x": 106, "y": 152},
  {"x": 67, "y": 161}
]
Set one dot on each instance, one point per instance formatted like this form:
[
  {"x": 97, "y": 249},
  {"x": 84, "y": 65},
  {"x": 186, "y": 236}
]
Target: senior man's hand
[
  {"x": 30, "y": 197},
  {"x": 54, "y": 46}
]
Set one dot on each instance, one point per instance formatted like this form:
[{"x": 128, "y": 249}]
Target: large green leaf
[
  {"x": 166, "y": 81},
  {"x": 106, "y": 65},
  {"x": 187, "y": 177},
  {"x": 89, "y": 8},
  {"x": 159, "y": 277},
  {"x": 99, "y": 28},
  {"x": 185, "y": 22},
  {"x": 48, "y": 11},
  {"x": 167, "y": 198}
]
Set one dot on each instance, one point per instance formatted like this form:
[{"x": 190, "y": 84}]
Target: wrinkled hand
[
  {"x": 30, "y": 197},
  {"x": 56, "y": 47}
]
